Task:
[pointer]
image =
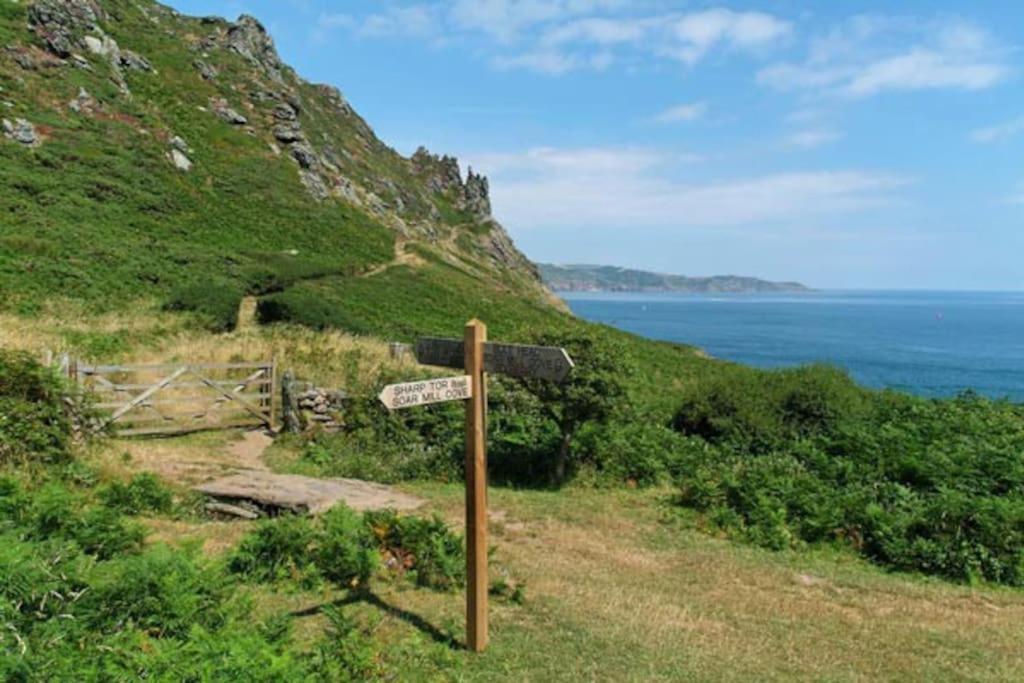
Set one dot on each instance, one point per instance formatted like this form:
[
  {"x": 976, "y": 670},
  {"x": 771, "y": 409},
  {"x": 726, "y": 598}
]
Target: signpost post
[{"x": 477, "y": 357}]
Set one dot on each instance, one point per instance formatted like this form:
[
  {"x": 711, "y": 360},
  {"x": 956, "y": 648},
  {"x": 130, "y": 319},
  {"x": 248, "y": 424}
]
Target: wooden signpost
[{"x": 477, "y": 357}]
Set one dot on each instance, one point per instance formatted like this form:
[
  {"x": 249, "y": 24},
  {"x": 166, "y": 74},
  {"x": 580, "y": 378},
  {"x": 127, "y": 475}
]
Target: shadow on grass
[{"x": 370, "y": 598}]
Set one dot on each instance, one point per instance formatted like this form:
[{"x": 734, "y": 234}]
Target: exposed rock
[
  {"x": 104, "y": 46},
  {"x": 477, "y": 194},
  {"x": 306, "y": 495},
  {"x": 60, "y": 24},
  {"x": 345, "y": 189},
  {"x": 20, "y": 131},
  {"x": 249, "y": 39},
  {"x": 441, "y": 173},
  {"x": 224, "y": 111},
  {"x": 304, "y": 154},
  {"x": 83, "y": 102},
  {"x": 285, "y": 112},
  {"x": 288, "y": 133},
  {"x": 207, "y": 72},
  {"x": 178, "y": 143},
  {"x": 315, "y": 184},
  {"x": 335, "y": 98},
  {"x": 135, "y": 61},
  {"x": 25, "y": 60},
  {"x": 180, "y": 161}
]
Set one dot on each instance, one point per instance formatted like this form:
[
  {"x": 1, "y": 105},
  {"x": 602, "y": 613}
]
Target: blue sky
[{"x": 843, "y": 144}]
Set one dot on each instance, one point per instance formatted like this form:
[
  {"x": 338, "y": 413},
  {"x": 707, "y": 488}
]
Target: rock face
[{"x": 478, "y": 194}]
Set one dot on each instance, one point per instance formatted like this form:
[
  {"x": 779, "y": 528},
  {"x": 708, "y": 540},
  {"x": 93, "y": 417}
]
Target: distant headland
[{"x": 591, "y": 278}]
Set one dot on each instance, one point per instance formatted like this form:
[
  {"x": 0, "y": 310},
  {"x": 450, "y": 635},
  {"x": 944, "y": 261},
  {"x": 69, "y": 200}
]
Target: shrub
[
  {"x": 279, "y": 548},
  {"x": 144, "y": 493},
  {"x": 34, "y": 427},
  {"x": 163, "y": 592},
  {"x": 424, "y": 546},
  {"x": 345, "y": 551},
  {"x": 935, "y": 486},
  {"x": 215, "y": 301}
]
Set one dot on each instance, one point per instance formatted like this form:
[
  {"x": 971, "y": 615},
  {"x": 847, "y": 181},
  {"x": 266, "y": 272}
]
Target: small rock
[
  {"x": 135, "y": 61},
  {"x": 284, "y": 112},
  {"x": 207, "y": 72},
  {"x": 83, "y": 102},
  {"x": 180, "y": 161},
  {"x": 226, "y": 113},
  {"x": 20, "y": 131},
  {"x": 288, "y": 133},
  {"x": 104, "y": 46},
  {"x": 178, "y": 143},
  {"x": 304, "y": 154}
]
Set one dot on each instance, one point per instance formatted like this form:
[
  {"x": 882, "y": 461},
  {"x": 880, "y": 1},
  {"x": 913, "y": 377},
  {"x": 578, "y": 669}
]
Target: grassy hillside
[{"x": 167, "y": 154}]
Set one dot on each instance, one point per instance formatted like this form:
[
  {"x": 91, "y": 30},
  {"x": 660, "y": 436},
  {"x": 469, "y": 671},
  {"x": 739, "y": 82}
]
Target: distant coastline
[{"x": 594, "y": 278}]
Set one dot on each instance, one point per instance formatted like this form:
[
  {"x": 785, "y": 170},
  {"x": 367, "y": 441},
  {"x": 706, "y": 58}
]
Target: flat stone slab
[{"x": 306, "y": 495}]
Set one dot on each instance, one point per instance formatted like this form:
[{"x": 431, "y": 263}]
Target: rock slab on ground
[{"x": 306, "y": 495}]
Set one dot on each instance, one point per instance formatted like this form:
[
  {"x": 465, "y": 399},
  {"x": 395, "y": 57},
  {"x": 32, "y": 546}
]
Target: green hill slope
[{"x": 151, "y": 156}]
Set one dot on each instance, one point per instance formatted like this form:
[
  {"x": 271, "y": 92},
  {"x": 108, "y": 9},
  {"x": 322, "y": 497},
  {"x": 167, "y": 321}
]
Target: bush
[
  {"x": 279, "y": 548},
  {"x": 345, "y": 551},
  {"x": 935, "y": 486},
  {"x": 144, "y": 493},
  {"x": 34, "y": 427},
  {"x": 215, "y": 301},
  {"x": 759, "y": 411},
  {"x": 424, "y": 546}
]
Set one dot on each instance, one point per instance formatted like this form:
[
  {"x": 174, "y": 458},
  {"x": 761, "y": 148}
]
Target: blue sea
[{"x": 927, "y": 343}]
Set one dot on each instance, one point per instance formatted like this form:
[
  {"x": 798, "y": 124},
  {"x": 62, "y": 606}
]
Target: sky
[{"x": 859, "y": 144}]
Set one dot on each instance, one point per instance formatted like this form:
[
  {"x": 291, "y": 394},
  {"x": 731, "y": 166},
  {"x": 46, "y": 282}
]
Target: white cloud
[
  {"x": 557, "y": 36},
  {"x": 698, "y": 32},
  {"x": 869, "y": 55},
  {"x": 811, "y": 138},
  {"x": 682, "y": 113},
  {"x": 623, "y": 188},
  {"x": 419, "y": 21},
  {"x": 998, "y": 132}
]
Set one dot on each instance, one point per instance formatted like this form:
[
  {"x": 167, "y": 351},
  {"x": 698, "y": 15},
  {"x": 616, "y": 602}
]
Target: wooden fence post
[{"x": 476, "y": 489}]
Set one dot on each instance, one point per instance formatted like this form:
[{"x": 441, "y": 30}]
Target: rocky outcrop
[
  {"x": 477, "y": 195},
  {"x": 178, "y": 154},
  {"x": 249, "y": 39},
  {"x": 440, "y": 173},
  {"x": 62, "y": 24}
]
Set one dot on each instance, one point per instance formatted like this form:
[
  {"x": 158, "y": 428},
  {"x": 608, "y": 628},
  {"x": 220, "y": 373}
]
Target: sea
[{"x": 929, "y": 343}]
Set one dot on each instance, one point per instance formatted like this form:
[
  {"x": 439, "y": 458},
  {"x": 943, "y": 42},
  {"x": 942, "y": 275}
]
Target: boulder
[
  {"x": 304, "y": 154},
  {"x": 178, "y": 143},
  {"x": 248, "y": 38}
]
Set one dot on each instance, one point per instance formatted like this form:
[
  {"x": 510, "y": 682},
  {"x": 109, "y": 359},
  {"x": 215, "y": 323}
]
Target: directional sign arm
[{"x": 514, "y": 360}]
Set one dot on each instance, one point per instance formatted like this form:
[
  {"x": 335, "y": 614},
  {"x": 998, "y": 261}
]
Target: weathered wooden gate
[{"x": 180, "y": 398}]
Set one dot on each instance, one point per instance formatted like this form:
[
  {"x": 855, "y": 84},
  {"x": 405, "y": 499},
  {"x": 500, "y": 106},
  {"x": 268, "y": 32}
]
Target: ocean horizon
[{"x": 935, "y": 343}]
